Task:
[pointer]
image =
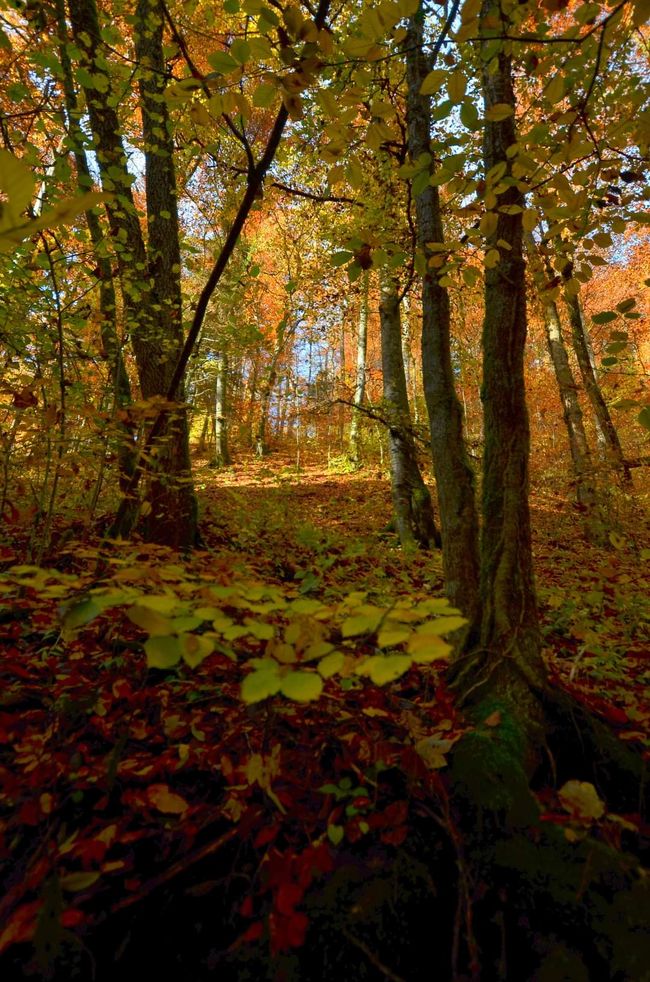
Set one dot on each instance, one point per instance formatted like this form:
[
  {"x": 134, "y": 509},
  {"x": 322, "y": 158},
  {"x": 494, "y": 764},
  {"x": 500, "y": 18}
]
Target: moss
[{"x": 487, "y": 766}]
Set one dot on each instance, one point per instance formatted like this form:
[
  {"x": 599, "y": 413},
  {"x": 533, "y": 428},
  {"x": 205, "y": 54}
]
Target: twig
[{"x": 372, "y": 957}]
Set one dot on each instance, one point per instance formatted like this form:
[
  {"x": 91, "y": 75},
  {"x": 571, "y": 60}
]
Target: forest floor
[{"x": 151, "y": 809}]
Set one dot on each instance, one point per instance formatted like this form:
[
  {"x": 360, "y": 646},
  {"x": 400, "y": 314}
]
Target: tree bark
[
  {"x": 150, "y": 275},
  {"x": 454, "y": 478},
  {"x": 572, "y": 413},
  {"x": 221, "y": 450},
  {"x": 360, "y": 375},
  {"x": 508, "y": 660},
  {"x": 581, "y": 346},
  {"x": 111, "y": 346},
  {"x": 414, "y": 516}
]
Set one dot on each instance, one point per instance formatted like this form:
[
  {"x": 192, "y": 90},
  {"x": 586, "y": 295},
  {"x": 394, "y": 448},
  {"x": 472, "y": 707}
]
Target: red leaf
[
  {"x": 254, "y": 932},
  {"x": 20, "y": 926},
  {"x": 288, "y": 895}
]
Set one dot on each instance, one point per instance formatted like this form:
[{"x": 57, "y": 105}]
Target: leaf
[
  {"x": 360, "y": 624},
  {"x": 331, "y": 664},
  {"x": 301, "y": 686},
  {"x": 581, "y": 800},
  {"x": 392, "y": 635},
  {"x": 261, "y": 684},
  {"x": 605, "y": 317},
  {"x": 456, "y": 86},
  {"x": 222, "y": 62},
  {"x": 150, "y": 620},
  {"x": 264, "y": 95},
  {"x": 385, "y": 668},
  {"x": 644, "y": 418},
  {"x": 433, "y": 81},
  {"x": 425, "y": 648},
  {"x": 79, "y": 615},
  {"x": 163, "y": 652},
  {"x": 17, "y": 184},
  {"x": 554, "y": 91},
  {"x": 469, "y": 116},
  {"x": 195, "y": 648},
  {"x": 166, "y": 801},
  {"x": 76, "y": 882},
  {"x": 335, "y": 834},
  {"x": 498, "y": 112}
]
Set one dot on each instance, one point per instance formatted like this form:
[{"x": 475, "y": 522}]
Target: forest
[{"x": 324, "y": 448}]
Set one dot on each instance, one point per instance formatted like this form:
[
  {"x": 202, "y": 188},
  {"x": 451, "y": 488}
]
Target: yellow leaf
[
  {"x": 392, "y": 635},
  {"x": 488, "y": 223},
  {"x": 75, "y": 882},
  {"x": 580, "y": 799},
  {"x": 331, "y": 664},
  {"x": 196, "y": 647},
  {"x": 425, "y": 648},
  {"x": 492, "y": 257},
  {"x": 166, "y": 801},
  {"x": 150, "y": 620}
]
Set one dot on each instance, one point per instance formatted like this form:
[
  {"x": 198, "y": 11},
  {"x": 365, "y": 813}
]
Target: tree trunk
[
  {"x": 581, "y": 346},
  {"x": 150, "y": 275},
  {"x": 507, "y": 661},
  {"x": 111, "y": 345},
  {"x": 572, "y": 413},
  {"x": 454, "y": 478},
  {"x": 221, "y": 451},
  {"x": 360, "y": 377},
  {"x": 411, "y": 499}
]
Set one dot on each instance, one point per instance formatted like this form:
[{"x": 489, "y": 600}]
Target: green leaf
[
  {"x": 358, "y": 624},
  {"x": 150, "y": 620},
  {"x": 331, "y": 664},
  {"x": 262, "y": 683},
  {"x": 301, "y": 686},
  {"x": 469, "y": 116},
  {"x": 498, "y": 112},
  {"x": 163, "y": 652},
  {"x": 17, "y": 184},
  {"x": 264, "y": 95},
  {"x": 341, "y": 258},
  {"x": 335, "y": 834},
  {"x": 433, "y": 81},
  {"x": 240, "y": 50},
  {"x": 605, "y": 317},
  {"x": 195, "y": 648},
  {"x": 222, "y": 62},
  {"x": 385, "y": 668},
  {"x": 644, "y": 417},
  {"x": 79, "y": 615},
  {"x": 391, "y": 635}
]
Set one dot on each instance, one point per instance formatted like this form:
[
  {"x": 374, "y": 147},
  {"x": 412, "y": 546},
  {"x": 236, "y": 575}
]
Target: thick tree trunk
[
  {"x": 150, "y": 276},
  {"x": 411, "y": 499},
  {"x": 507, "y": 662},
  {"x": 360, "y": 376},
  {"x": 581, "y": 346},
  {"x": 111, "y": 346},
  {"x": 454, "y": 478}
]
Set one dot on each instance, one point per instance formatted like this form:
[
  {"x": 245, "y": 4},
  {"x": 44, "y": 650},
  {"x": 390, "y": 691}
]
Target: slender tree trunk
[
  {"x": 221, "y": 450},
  {"x": 111, "y": 347},
  {"x": 572, "y": 413},
  {"x": 582, "y": 346},
  {"x": 454, "y": 478},
  {"x": 509, "y": 660},
  {"x": 150, "y": 275},
  {"x": 414, "y": 516},
  {"x": 360, "y": 377}
]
